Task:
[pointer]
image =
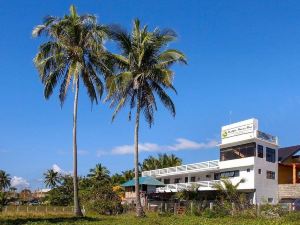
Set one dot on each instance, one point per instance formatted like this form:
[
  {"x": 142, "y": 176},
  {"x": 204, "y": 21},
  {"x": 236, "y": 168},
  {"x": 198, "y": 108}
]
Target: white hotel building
[{"x": 245, "y": 152}]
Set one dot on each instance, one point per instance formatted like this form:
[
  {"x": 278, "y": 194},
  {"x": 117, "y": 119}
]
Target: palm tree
[
  {"x": 165, "y": 160},
  {"x": 144, "y": 70},
  {"x": 117, "y": 179},
  {"x": 150, "y": 163},
  {"x": 4, "y": 180},
  {"x": 74, "y": 52},
  {"x": 51, "y": 178},
  {"x": 99, "y": 173},
  {"x": 230, "y": 191},
  {"x": 128, "y": 174}
]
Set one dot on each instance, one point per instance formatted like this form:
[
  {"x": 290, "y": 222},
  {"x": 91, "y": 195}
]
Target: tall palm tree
[
  {"x": 51, "y": 178},
  {"x": 74, "y": 52},
  {"x": 4, "y": 180},
  {"x": 99, "y": 173},
  {"x": 144, "y": 70}
]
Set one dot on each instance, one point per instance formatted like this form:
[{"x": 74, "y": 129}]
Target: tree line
[
  {"x": 139, "y": 74},
  {"x": 98, "y": 182}
]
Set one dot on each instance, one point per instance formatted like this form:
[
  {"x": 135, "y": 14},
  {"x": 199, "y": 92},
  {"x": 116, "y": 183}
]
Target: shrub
[
  {"x": 272, "y": 211},
  {"x": 101, "y": 199},
  {"x": 207, "y": 213}
]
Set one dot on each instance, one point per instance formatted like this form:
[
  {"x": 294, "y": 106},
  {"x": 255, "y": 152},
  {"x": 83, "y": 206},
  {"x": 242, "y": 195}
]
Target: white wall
[{"x": 266, "y": 188}]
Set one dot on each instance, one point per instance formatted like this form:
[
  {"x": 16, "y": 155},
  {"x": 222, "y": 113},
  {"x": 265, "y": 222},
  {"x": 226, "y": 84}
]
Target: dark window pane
[
  {"x": 227, "y": 174},
  {"x": 166, "y": 181},
  {"x": 260, "y": 151},
  {"x": 270, "y": 155},
  {"x": 177, "y": 180},
  {"x": 193, "y": 179},
  {"x": 237, "y": 152},
  {"x": 271, "y": 175}
]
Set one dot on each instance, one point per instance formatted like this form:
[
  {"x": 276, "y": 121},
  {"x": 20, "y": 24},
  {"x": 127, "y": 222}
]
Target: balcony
[
  {"x": 203, "y": 186},
  {"x": 189, "y": 168}
]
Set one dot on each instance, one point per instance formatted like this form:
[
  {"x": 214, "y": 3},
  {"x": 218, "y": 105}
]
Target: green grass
[{"x": 129, "y": 219}]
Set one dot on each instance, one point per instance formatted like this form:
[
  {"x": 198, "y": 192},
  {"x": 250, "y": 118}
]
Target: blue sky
[{"x": 243, "y": 62}]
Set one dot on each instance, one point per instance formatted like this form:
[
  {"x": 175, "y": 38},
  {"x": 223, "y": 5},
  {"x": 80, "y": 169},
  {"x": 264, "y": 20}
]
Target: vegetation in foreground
[{"x": 151, "y": 218}]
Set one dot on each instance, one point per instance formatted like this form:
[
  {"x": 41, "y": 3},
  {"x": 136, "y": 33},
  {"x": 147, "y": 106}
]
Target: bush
[
  {"x": 101, "y": 199},
  {"x": 272, "y": 211},
  {"x": 208, "y": 213}
]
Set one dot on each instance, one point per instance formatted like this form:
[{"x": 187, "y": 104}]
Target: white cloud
[
  {"x": 19, "y": 182},
  {"x": 59, "y": 170},
  {"x": 180, "y": 145},
  {"x": 82, "y": 152}
]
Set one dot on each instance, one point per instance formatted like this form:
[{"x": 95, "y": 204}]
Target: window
[
  {"x": 227, "y": 174},
  {"x": 166, "y": 181},
  {"x": 186, "y": 179},
  {"x": 193, "y": 179},
  {"x": 270, "y": 200},
  {"x": 260, "y": 151},
  {"x": 248, "y": 170},
  {"x": 208, "y": 176},
  {"x": 238, "y": 152},
  {"x": 270, "y": 155},
  {"x": 259, "y": 171},
  {"x": 177, "y": 180},
  {"x": 270, "y": 175}
]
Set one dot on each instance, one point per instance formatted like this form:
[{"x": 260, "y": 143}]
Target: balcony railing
[
  {"x": 202, "y": 166},
  {"x": 202, "y": 185}
]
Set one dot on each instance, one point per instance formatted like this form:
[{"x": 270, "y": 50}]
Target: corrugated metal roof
[{"x": 144, "y": 180}]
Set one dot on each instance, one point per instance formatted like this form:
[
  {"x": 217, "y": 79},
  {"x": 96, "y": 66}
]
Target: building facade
[{"x": 245, "y": 153}]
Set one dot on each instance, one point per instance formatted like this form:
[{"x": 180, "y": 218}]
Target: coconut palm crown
[
  {"x": 143, "y": 72},
  {"x": 5, "y": 180},
  {"x": 74, "y": 52},
  {"x": 51, "y": 178}
]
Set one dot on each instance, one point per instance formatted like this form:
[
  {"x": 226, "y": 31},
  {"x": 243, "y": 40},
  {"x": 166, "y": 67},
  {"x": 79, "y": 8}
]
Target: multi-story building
[{"x": 245, "y": 153}]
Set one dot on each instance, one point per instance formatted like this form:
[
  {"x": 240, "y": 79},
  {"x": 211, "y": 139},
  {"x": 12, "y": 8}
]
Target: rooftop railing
[{"x": 195, "y": 167}]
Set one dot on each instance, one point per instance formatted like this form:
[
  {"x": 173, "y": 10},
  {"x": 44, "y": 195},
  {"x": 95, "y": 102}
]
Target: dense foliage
[{"x": 162, "y": 161}]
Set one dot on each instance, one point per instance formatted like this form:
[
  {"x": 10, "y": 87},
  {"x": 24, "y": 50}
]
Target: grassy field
[{"x": 129, "y": 219}]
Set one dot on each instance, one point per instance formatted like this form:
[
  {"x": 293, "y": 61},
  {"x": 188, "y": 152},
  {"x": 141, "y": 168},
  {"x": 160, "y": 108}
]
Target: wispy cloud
[
  {"x": 59, "y": 170},
  {"x": 180, "y": 144},
  {"x": 19, "y": 182}
]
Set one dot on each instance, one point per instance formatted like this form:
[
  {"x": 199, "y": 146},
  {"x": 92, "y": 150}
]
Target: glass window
[
  {"x": 186, "y": 179},
  {"x": 227, "y": 174},
  {"x": 193, "y": 179},
  {"x": 238, "y": 152},
  {"x": 259, "y": 171},
  {"x": 166, "y": 181},
  {"x": 177, "y": 180},
  {"x": 271, "y": 175},
  {"x": 260, "y": 151},
  {"x": 270, "y": 155}
]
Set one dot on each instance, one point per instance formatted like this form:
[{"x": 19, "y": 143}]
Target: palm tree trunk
[
  {"x": 139, "y": 209},
  {"x": 77, "y": 210}
]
